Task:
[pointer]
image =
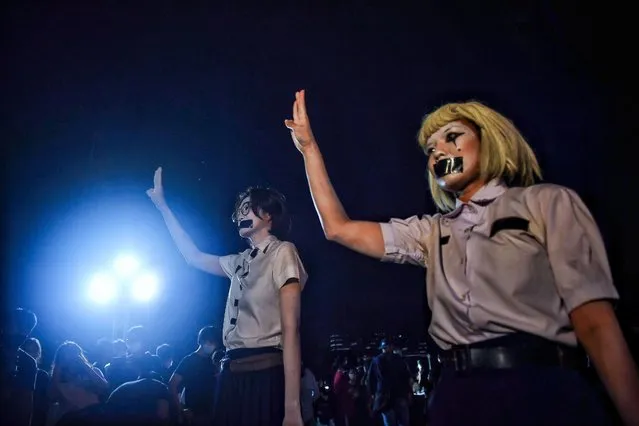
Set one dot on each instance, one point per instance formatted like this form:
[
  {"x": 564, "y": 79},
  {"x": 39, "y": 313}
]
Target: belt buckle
[{"x": 461, "y": 357}]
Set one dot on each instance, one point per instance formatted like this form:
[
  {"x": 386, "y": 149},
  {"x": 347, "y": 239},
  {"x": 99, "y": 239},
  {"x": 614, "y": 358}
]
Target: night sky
[{"x": 98, "y": 94}]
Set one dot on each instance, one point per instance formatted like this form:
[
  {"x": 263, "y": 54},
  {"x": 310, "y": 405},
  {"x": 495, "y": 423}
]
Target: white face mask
[
  {"x": 453, "y": 155},
  {"x": 243, "y": 217}
]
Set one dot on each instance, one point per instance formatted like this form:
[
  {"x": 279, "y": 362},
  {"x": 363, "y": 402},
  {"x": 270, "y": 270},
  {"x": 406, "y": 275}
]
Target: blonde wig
[{"x": 504, "y": 153}]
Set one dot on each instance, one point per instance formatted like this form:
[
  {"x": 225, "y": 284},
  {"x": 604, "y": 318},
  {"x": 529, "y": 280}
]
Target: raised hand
[
  {"x": 156, "y": 194},
  {"x": 300, "y": 126}
]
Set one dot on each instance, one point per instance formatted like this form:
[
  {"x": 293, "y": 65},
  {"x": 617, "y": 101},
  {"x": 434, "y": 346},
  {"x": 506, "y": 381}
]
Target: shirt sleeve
[
  {"x": 576, "y": 250},
  {"x": 229, "y": 264},
  {"x": 405, "y": 240},
  {"x": 288, "y": 265}
]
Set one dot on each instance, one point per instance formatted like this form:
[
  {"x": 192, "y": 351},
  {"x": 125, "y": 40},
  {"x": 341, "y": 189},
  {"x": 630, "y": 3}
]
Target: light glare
[
  {"x": 126, "y": 265},
  {"x": 103, "y": 288},
  {"x": 145, "y": 287}
]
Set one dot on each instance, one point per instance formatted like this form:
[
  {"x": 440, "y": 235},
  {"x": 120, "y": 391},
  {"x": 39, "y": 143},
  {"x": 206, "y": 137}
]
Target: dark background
[{"x": 98, "y": 94}]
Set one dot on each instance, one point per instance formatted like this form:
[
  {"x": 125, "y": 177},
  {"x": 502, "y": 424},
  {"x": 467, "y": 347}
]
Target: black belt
[
  {"x": 246, "y": 352},
  {"x": 505, "y": 356}
]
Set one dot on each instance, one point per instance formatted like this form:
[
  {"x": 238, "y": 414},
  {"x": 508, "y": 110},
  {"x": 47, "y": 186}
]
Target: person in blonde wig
[
  {"x": 517, "y": 276},
  {"x": 504, "y": 153}
]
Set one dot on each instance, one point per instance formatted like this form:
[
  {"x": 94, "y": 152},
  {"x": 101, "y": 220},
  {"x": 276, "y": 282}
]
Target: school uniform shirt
[
  {"x": 510, "y": 260},
  {"x": 252, "y": 315}
]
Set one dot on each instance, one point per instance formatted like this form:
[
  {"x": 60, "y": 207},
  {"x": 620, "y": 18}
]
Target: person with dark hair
[
  {"x": 119, "y": 348},
  {"x": 145, "y": 401},
  {"x": 389, "y": 383},
  {"x": 19, "y": 369},
  {"x": 137, "y": 362},
  {"x": 265, "y": 200},
  {"x": 40, "y": 399},
  {"x": 103, "y": 353},
  {"x": 196, "y": 376},
  {"x": 164, "y": 355},
  {"x": 260, "y": 379},
  {"x": 76, "y": 386}
]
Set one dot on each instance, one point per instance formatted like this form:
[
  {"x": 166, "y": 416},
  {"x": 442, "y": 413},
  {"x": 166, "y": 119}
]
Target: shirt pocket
[{"x": 508, "y": 273}]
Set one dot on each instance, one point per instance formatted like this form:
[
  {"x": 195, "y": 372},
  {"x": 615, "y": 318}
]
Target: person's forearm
[
  {"x": 53, "y": 390},
  {"x": 175, "y": 396},
  {"x": 328, "y": 206},
  {"x": 182, "y": 240},
  {"x": 611, "y": 357},
  {"x": 292, "y": 368},
  {"x": 95, "y": 377}
]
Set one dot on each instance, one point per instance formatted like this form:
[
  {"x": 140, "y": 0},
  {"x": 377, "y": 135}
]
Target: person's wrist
[
  {"x": 311, "y": 149},
  {"x": 292, "y": 406}
]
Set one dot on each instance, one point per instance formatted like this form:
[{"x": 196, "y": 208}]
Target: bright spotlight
[
  {"x": 103, "y": 288},
  {"x": 126, "y": 265},
  {"x": 145, "y": 287}
]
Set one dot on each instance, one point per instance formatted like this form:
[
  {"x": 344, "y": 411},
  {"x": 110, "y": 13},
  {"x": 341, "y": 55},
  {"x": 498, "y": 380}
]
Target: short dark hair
[
  {"x": 209, "y": 334},
  {"x": 270, "y": 201},
  {"x": 32, "y": 346},
  {"x": 137, "y": 334},
  {"x": 164, "y": 352},
  {"x": 67, "y": 349},
  {"x": 23, "y": 321}
]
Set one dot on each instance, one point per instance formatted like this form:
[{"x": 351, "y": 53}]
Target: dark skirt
[
  {"x": 549, "y": 396},
  {"x": 529, "y": 394},
  {"x": 252, "y": 398}
]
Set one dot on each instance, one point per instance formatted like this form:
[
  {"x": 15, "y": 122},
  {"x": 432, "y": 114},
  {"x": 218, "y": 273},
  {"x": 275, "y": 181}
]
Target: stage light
[
  {"x": 103, "y": 288},
  {"x": 126, "y": 265},
  {"x": 144, "y": 287}
]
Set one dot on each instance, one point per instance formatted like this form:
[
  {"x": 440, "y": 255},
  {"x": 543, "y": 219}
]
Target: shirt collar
[
  {"x": 486, "y": 195},
  {"x": 262, "y": 245}
]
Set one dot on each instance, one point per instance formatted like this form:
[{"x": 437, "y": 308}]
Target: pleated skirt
[{"x": 252, "y": 398}]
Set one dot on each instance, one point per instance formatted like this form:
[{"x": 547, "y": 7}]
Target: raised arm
[
  {"x": 93, "y": 373},
  {"x": 360, "y": 236},
  {"x": 193, "y": 256}
]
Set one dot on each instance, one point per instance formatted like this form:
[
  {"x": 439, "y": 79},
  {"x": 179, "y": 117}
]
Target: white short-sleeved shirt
[
  {"x": 252, "y": 315},
  {"x": 510, "y": 260}
]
